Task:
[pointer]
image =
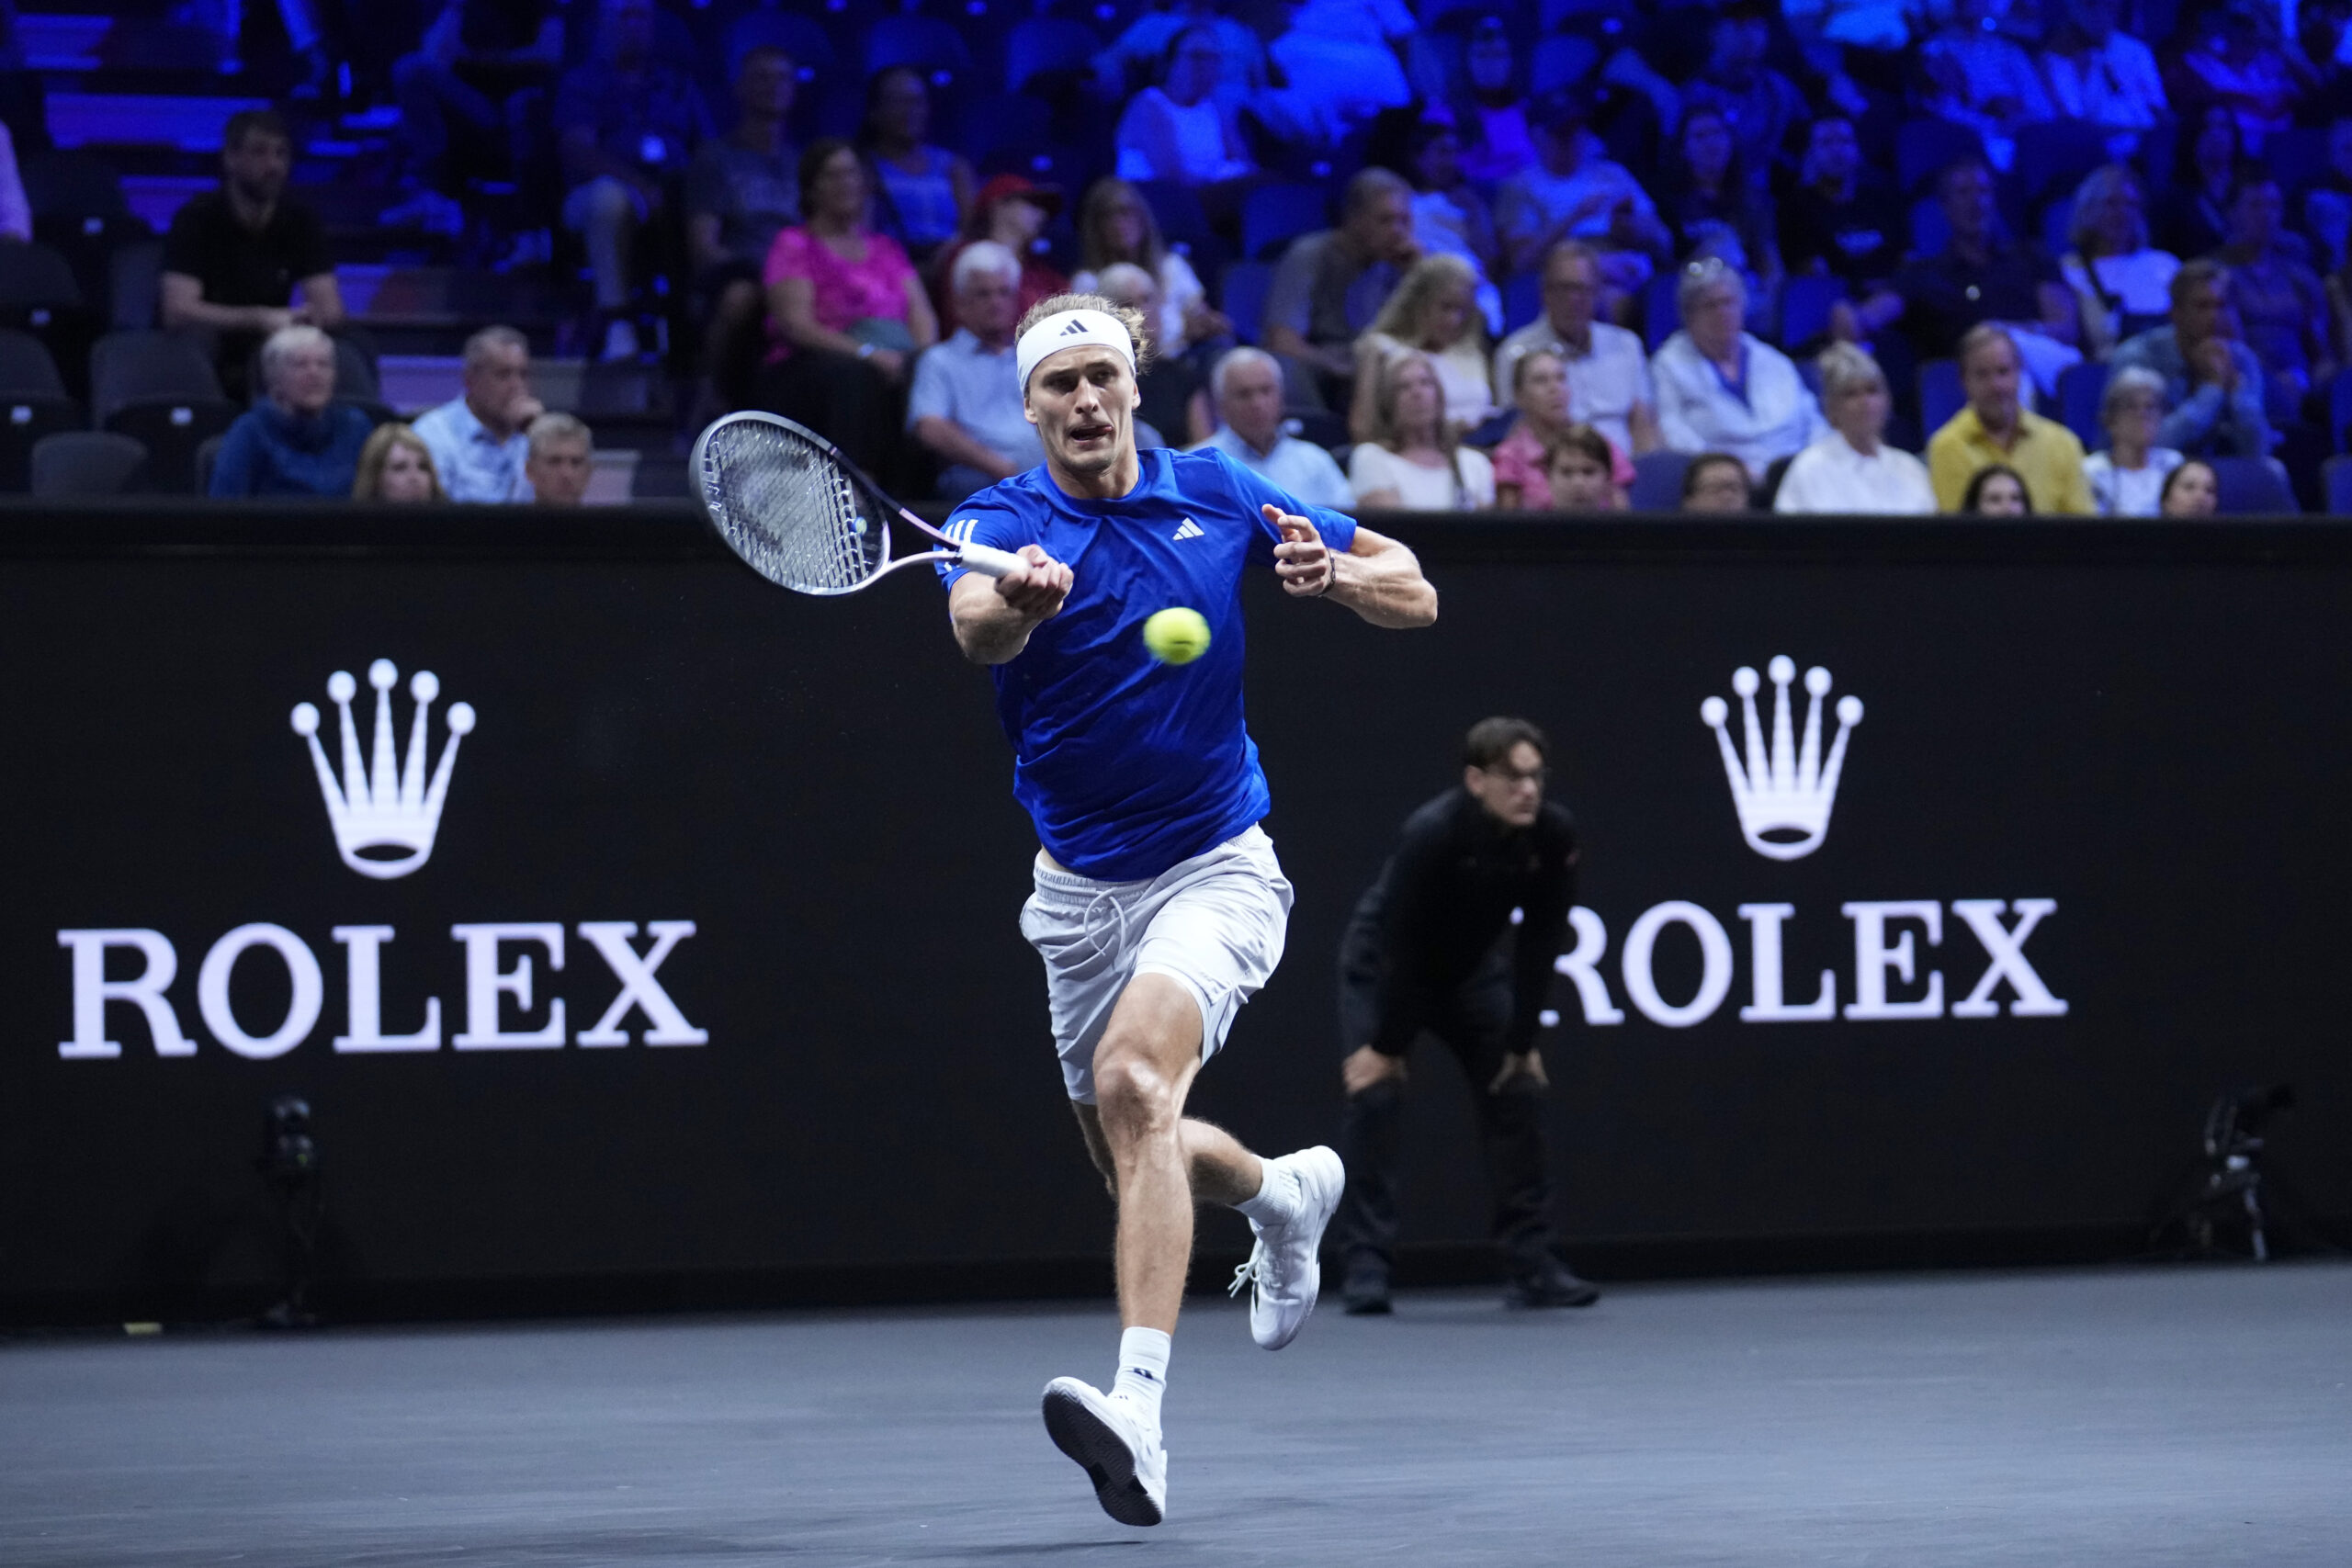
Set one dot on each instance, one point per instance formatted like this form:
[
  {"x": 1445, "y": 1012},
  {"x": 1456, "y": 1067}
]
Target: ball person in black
[{"x": 1432, "y": 946}]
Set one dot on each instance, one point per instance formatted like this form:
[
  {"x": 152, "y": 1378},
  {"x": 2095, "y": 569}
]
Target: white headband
[{"x": 1071, "y": 329}]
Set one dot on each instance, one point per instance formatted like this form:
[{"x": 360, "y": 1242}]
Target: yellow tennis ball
[{"x": 1177, "y": 635}]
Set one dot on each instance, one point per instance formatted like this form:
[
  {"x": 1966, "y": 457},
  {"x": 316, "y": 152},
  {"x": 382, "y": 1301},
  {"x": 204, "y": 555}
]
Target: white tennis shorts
[{"x": 1214, "y": 924}]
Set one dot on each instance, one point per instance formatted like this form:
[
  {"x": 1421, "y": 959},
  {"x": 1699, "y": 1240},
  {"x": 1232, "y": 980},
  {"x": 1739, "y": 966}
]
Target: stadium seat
[
  {"x": 2056, "y": 219},
  {"x": 1930, "y": 230},
  {"x": 2335, "y": 474},
  {"x": 1039, "y": 46},
  {"x": 1805, "y": 308},
  {"x": 2298, "y": 157},
  {"x": 1661, "y": 313},
  {"x": 159, "y": 387},
  {"x": 1657, "y": 481},
  {"x": 87, "y": 462},
  {"x": 1242, "y": 297},
  {"x": 2253, "y": 487},
  {"x": 929, "y": 45},
  {"x": 1561, "y": 59},
  {"x": 2081, "y": 388},
  {"x": 2053, "y": 156},
  {"x": 1273, "y": 215},
  {"x": 1522, "y": 299},
  {"x": 36, "y": 285},
  {"x": 2339, "y": 412},
  {"x": 135, "y": 274},
  {"x": 1002, "y": 120},
  {"x": 1924, "y": 147},
  {"x": 33, "y": 404},
  {"x": 208, "y": 456},
  {"x": 1184, "y": 224},
  {"x": 803, "y": 38},
  {"x": 1939, "y": 393}
]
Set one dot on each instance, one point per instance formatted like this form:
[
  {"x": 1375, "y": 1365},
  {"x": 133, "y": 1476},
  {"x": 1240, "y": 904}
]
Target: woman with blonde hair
[
  {"x": 396, "y": 466},
  {"x": 2118, "y": 278},
  {"x": 1414, "y": 458},
  {"x": 1433, "y": 312}
]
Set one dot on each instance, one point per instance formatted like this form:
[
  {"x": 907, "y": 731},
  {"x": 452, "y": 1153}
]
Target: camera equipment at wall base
[
  {"x": 2229, "y": 1208},
  {"x": 290, "y": 1166}
]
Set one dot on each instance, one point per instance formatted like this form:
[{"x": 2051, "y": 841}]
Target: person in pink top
[
  {"x": 848, "y": 311},
  {"x": 1540, "y": 386}
]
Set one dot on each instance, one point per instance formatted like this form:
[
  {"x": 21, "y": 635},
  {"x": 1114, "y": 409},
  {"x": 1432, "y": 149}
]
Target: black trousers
[{"x": 1470, "y": 1020}]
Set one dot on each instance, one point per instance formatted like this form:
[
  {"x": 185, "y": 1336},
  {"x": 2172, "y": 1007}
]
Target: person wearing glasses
[{"x": 1457, "y": 937}]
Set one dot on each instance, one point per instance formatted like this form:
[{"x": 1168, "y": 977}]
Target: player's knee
[{"x": 1135, "y": 1097}]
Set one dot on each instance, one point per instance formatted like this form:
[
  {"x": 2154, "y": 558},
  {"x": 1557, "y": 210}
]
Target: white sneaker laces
[{"x": 1258, "y": 1270}]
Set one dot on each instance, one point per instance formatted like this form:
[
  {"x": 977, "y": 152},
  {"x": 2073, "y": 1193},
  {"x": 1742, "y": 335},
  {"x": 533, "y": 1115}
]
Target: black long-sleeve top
[{"x": 1444, "y": 898}]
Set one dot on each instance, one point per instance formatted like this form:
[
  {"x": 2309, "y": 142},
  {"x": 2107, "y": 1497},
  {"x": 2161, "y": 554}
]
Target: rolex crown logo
[
  {"x": 384, "y": 814},
  {"x": 1783, "y": 798}
]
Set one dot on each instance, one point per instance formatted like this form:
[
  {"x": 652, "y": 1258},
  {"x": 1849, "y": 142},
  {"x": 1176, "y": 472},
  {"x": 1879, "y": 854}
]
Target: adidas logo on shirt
[{"x": 1191, "y": 530}]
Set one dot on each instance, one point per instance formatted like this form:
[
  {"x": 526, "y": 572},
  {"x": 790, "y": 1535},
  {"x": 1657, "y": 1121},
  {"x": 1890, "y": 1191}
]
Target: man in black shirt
[
  {"x": 235, "y": 256},
  {"x": 1980, "y": 276},
  {"x": 1425, "y": 950}
]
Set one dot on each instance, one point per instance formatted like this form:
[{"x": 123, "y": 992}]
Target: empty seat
[
  {"x": 1657, "y": 481},
  {"x": 87, "y": 462},
  {"x": 1242, "y": 293},
  {"x": 1522, "y": 299},
  {"x": 33, "y": 404},
  {"x": 160, "y": 388},
  {"x": 2335, "y": 474},
  {"x": 1661, "y": 312},
  {"x": 1561, "y": 60},
  {"x": 1805, "y": 303},
  {"x": 135, "y": 274},
  {"x": 2081, "y": 389},
  {"x": 1924, "y": 147},
  {"x": 1047, "y": 46},
  {"x": 208, "y": 456},
  {"x": 1272, "y": 216},
  {"x": 2054, "y": 155},
  {"x": 928, "y": 44},
  {"x": 1940, "y": 396},
  {"x": 1005, "y": 119},
  {"x": 2254, "y": 486}
]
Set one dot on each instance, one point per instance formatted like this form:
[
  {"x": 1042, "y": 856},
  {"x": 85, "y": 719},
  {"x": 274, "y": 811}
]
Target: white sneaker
[
  {"x": 1126, "y": 1463},
  {"x": 1284, "y": 1272}
]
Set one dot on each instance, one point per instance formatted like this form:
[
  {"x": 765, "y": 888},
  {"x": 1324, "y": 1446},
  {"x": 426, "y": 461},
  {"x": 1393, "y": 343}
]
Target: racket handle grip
[{"x": 988, "y": 560}]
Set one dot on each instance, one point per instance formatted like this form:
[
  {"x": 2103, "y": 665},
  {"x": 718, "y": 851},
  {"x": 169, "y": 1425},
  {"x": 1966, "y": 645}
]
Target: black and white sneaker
[{"x": 1126, "y": 1463}]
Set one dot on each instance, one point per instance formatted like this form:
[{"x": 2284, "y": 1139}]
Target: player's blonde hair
[{"x": 1128, "y": 316}]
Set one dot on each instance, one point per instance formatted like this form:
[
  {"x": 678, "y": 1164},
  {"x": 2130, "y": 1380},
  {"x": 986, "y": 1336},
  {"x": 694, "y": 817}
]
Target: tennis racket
[{"x": 804, "y": 516}]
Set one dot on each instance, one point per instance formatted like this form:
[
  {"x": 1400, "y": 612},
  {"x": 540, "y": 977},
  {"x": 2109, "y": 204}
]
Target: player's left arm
[{"x": 1376, "y": 577}]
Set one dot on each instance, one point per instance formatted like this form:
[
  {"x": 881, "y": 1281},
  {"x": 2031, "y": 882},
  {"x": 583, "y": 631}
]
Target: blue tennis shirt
[{"x": 1127, "y": 765}]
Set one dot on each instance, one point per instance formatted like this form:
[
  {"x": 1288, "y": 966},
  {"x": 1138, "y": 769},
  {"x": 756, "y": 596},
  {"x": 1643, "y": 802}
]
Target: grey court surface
[{"x": 2148, "y": 1417}]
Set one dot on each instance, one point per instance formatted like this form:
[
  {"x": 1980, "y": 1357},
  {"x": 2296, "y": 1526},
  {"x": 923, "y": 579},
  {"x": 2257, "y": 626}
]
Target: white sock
[
  {"x": 1142, "y": 1371},
  {"x": 1277, "y": 1200}
]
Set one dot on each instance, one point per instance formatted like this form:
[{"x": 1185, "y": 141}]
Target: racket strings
[{"x": 789, "y": 510}]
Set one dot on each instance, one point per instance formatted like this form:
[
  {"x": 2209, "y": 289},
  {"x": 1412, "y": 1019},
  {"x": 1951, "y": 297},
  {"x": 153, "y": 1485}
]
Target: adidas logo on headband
[{"x": 1071, "y": 329}]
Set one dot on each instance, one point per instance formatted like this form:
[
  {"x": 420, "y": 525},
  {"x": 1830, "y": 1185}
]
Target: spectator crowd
[{"x": 2077, "y": 256}]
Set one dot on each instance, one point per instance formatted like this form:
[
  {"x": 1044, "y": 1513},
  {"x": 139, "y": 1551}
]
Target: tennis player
[{"x": 1159, "y": 907}]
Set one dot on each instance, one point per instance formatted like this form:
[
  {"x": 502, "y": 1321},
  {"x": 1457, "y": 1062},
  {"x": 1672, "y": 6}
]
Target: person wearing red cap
[{"x": 1013, "y": 210}]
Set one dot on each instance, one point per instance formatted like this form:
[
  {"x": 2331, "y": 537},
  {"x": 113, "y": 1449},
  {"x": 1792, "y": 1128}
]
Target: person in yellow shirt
[{"x": 1996, "y": 428}]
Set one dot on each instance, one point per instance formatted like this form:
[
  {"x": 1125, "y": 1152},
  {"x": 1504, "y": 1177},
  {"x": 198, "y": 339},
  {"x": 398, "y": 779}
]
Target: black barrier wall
[{"x": 694, "y": 952}]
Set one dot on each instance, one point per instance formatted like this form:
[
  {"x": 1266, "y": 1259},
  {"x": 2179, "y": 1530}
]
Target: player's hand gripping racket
[{"x": 804, "y": 516}]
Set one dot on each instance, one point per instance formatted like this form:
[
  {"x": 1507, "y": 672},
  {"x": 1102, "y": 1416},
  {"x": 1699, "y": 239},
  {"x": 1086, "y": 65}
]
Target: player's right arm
[{"x": 993, "y": 617}]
